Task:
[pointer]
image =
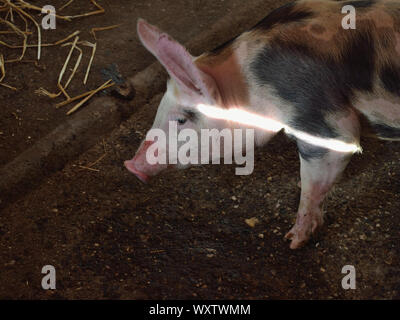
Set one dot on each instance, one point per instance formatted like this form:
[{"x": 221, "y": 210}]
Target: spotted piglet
[{"x": 325, "y": 84}]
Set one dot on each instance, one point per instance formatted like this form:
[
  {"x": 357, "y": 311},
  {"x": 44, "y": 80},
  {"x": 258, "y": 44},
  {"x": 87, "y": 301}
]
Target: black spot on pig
[
  {"x": 316, "y": 85},
  {"x": 306, "y": 83},
  {"x": 390, "y": 77},
  {"x": 283, "y": 15},
  {"x": 386, "y": 132},
  {"x": 360, "y": 4},
  {"x": 358, "y": 60},
  {"x": 309, "y": 152}
]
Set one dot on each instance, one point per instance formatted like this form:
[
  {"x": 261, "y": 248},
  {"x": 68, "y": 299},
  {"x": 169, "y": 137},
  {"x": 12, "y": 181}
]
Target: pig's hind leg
[{"x": 319, "y": 169}]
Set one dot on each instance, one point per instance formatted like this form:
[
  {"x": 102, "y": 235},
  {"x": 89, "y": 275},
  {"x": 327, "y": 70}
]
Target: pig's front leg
[{"x": 320, "y": 169}]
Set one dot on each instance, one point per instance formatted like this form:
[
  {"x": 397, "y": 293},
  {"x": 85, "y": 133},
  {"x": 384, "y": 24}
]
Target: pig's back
[{"x": 302, "y": 55}]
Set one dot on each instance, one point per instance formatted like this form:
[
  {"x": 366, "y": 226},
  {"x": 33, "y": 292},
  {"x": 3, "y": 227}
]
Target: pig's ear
[
  {"x": 179, "y": 64},
  {"x": 148, "y": 35},
  {"x": 176, "y": 60}
]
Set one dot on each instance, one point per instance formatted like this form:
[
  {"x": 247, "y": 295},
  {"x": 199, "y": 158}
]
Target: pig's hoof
[
  {"x": 298, "y": 237},
  {"x": 303, "y": 230}
]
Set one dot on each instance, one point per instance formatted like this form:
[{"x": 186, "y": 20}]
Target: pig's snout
[
  {"x": 139, "y": 165},
  {"x": 130, "y": 165}
]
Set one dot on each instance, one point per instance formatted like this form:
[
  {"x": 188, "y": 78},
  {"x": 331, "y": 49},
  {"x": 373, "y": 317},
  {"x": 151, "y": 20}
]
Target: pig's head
[{"x": 187, "y": 87}]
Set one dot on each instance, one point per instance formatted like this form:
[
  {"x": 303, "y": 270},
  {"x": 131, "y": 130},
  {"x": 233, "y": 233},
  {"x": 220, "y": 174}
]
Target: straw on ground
[{"x": 20, "y": 9}]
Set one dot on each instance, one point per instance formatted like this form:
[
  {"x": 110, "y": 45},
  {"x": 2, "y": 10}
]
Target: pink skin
[
  {"x": 140, "y": 167},
  {"x": 130, "y": 165},
  {"x": 317, "y": 178},
  {"x": 137, "y": 161}
]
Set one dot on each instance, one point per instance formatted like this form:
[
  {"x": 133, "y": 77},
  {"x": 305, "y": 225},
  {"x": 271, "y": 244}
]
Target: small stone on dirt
[
  {"x": 252, "y": 222},
  {"x": 363, "y": 237}
]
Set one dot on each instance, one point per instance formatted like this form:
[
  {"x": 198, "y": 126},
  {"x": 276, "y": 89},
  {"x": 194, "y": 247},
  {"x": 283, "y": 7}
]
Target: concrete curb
[
  {"x": 102, "y": 115},
  {"x": 52, "y": 152}
]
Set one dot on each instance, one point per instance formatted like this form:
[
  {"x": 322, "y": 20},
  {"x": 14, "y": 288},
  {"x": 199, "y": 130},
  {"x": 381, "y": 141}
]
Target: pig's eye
[{"x": 182, "y": 121}]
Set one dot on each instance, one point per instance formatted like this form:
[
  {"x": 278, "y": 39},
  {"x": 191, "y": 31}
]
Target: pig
[{"x": 298, "y": 66}]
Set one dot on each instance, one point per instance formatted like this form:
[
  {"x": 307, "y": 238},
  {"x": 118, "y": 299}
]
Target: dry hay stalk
[
  {"x": 19, "y": 9},
  {"x": 61, "y": 104},
  {"x": 42, "y": 91},
  {"x": 99, "y": 11},
  {"x": 77, "y": 63},
  {"x": 23, "y": 18},
  {"x": 94, "y": 46},
  {"x": 87, "y": 44},
  {"x": 91, "y": 165},
  {"x": 18, "y": 31},
  {"x": 90, "y": 169},
  {"x": 44, "y": 44},
  {"x": 92, "y": 93},
  {"x": 26, "y": 5},
  {"x": 94, "y": 30},
  {"x": 68, "y": 18},
  {"x": 2, "y": 68},
  {"x": 10, "y": 13},
  {"x": 3, "y": 74},
  {"x": 66, "y": 5},
  {"x": 11, "y": 32},
  {"x": 65, "y": 66},
  {"x": 8, "y": 86}
]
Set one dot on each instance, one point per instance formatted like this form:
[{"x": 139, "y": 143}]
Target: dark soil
[{"x": 184, "y": 235}]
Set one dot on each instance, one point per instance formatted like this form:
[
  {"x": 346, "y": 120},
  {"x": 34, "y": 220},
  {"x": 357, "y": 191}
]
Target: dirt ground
[{"x": 184, "y": 236}]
